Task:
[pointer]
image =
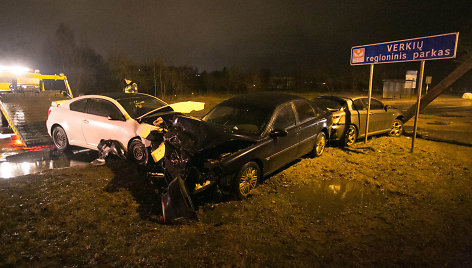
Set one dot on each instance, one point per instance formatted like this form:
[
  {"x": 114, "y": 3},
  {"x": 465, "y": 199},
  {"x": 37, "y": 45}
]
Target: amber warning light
[{"x": 16, "y": 141}]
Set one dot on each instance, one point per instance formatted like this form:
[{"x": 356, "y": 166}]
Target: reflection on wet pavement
[
  {"x": 18, "y": 160},
  {"x": 37, "y": 161}
]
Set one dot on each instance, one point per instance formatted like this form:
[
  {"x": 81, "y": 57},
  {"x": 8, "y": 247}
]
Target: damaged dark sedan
[
  {"x": 243, "y": 139},
  {"x": 276, "y": 129}
]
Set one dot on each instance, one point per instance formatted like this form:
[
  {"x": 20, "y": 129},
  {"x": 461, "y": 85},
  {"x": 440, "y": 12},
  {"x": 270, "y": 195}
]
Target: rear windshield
[{"x": 328, "y": 103}]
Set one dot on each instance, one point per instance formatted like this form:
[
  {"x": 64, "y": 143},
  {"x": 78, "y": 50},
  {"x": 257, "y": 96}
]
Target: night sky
[{"x": 279, "y": 35}]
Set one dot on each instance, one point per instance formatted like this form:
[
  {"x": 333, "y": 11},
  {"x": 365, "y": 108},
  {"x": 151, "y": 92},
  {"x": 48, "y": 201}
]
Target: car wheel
[
  {"x": 320, "y": 144},
  {"x": 397, "y": 128},
  {"x": 59, "y": 138},
  {"x": 247, "y": 179},
  {"x": 137, "y": 152},
  {"x": 351, "y": 136}
]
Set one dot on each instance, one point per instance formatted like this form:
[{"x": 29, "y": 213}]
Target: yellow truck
[
  {"x": 18, "y": 82},
  {"x": 25, "y": 97}
]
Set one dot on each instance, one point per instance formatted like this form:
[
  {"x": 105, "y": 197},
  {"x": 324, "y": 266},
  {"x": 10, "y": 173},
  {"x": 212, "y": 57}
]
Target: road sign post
[
  {"x": 368, "y": 106},
  {"x": 434, "y": 47}
]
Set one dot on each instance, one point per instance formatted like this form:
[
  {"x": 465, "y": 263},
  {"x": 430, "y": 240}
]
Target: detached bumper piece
[{"x": 176, "y": 202}]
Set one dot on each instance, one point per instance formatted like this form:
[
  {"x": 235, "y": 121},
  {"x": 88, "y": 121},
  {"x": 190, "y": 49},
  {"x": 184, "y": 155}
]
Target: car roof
[
  {"x": 120, "y": 95},
  {"x": 332, "y": 97},
  {"x": 267, "y": 100}
]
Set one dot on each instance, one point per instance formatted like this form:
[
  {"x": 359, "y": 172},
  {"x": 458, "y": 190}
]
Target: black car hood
[{"x": 208, "y": 136}]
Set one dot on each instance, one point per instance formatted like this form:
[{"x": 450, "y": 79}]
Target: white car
[{"x": 85, "y": 120}]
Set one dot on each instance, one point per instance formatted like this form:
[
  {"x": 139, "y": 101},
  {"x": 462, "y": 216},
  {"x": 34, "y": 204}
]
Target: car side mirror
[
  {"x": 387, "y": 107},
  {"x": 278, "y": 133}
]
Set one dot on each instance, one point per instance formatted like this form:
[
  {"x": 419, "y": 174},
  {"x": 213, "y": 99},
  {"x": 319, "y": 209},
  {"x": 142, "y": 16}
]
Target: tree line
[{"x": 89, "y": 72}]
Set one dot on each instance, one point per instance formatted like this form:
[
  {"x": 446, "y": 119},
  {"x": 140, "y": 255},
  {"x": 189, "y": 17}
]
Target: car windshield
[
  {"x": 137, "y": 105},
  {"x": 328, "y": 103},
  {"x": 241, "y": 119}
]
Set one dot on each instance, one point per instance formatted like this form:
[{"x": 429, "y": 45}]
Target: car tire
[
  {"x": 137, "y": 152},
  {"x": 59, "y": 137},
  {"x": 397, "y": 128},
  {"x": 351, "y": 136},
  {"x": 320, "y": 144},
  {"x": 247, "y": 179}
]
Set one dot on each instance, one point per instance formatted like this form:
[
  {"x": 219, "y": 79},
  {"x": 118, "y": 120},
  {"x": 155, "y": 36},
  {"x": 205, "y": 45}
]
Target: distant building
[{"x": 397, "y": 89}]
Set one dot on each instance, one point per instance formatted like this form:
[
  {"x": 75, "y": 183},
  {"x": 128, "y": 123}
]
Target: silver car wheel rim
[
  {"x": 350, "y": 136},
  {"x": 60, "y": 139},
  {"x": 396, "y": 129},
  {"x": 138, "y": 153},
  {"x": 248, "y": 180},
  {"x": 320, "y": 145}
]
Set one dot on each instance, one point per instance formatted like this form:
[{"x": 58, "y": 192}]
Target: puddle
[
  {"x": 333, "y": 196},
  {"x": 31, "y": 162},
  {"x": 318, "y": 199}
]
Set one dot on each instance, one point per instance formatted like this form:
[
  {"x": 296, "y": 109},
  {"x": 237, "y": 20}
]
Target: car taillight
[
  {"x": 337, "y": 119},
  {"x": 49, "y": 111}
]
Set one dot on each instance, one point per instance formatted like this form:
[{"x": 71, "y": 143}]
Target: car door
[
  {"x": 103, "y": 121},
  {"x": 283, "y": 147},
  {"x": 378, "y": 116},
  {"x": 308, "y": 126},
  {"x": 75, "y": 116},
  {"x": 359, "y": 115}
]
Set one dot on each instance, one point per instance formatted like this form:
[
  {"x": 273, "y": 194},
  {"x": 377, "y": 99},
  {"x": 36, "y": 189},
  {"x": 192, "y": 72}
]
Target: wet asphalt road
[
  {"x": 447, "y": 119},
  {"x": 17, "y": 160}
]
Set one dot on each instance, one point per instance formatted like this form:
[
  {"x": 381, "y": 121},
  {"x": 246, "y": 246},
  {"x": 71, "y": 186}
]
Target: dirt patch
[{"x": 374, "y": 204}]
